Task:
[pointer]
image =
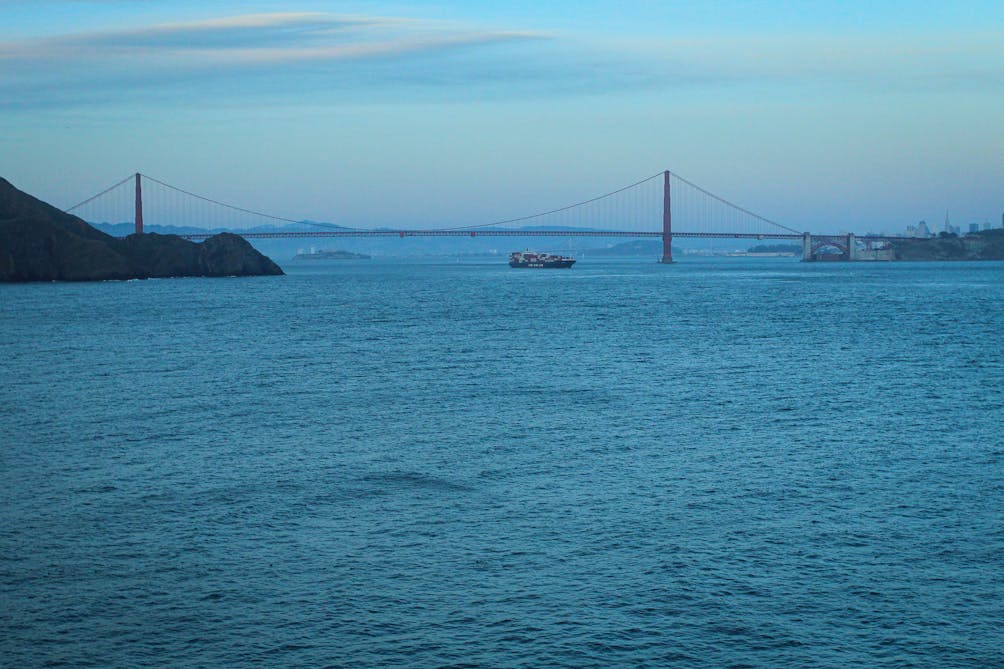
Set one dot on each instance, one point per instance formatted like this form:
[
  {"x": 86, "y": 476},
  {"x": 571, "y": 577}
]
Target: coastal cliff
[
  {"x": 38, "y": 242},
  {"x": 985, "y": 245}
]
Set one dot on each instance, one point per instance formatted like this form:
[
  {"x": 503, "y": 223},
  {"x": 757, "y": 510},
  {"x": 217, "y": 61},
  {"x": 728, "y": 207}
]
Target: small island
[
  {"x": 38, "y": 242},
  {"x": 330, "y": 254},
  {"x": 769, "y": 251}
]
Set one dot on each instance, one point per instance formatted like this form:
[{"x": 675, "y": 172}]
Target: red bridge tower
[
  {"x": 667, "y": 221},
  {"x": 139, "y": 206}
]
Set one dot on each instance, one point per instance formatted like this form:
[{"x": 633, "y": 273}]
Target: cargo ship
[{"x": 539, "y": 260}]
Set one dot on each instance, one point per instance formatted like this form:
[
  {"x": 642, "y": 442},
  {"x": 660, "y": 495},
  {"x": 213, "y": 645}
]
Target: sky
[{"x": 823, "y": 116}]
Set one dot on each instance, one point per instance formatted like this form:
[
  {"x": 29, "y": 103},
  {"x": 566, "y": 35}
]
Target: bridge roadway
[{"x": 533, "y": 233}]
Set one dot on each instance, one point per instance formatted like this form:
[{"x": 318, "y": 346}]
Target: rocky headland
[
  {"x": 984, "y": 245},
  {"x": 38, "y": 242}
]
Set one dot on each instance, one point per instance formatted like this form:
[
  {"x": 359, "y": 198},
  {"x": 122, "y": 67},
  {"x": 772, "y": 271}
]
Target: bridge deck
[{"x": 526, "y": 233}]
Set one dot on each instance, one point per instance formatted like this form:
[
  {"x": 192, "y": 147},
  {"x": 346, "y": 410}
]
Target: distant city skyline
[{"x": 819, "y": 115}]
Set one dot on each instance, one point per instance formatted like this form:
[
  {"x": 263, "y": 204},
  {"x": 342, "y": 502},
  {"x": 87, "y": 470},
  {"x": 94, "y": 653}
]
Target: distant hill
[
  {"x": 777, "y": 248},
  {"x": 636, "y": 247},
  {"x": 127, "y": 228},
  {"x": 985, "y": 245},
  {"x": 38, "y": 242}
]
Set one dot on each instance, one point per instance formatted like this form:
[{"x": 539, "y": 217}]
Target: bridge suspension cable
[
  {"x": 95, "y": 197},
  {"x": 733, "y": 205},
  {"x": 218, "y": 203},
  {"x": 558, "y": 210}
]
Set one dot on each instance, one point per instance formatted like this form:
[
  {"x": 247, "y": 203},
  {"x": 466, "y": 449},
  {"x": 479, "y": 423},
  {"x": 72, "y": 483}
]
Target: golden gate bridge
[{"x": 664, "y": 206}]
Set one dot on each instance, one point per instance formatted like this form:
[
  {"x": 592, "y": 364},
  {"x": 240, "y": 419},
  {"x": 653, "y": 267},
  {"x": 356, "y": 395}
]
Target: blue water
[{"x": 414, "y": 463}]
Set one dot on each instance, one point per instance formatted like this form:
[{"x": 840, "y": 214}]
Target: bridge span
[{"x": 664, "y": 206}]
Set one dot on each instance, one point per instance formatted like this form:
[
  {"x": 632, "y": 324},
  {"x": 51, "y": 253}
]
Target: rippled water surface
[{"x": 420, "y": 464}]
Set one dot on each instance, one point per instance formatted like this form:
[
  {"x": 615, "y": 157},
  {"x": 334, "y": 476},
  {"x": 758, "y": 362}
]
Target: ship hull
[{"x": 557, "y": 264}]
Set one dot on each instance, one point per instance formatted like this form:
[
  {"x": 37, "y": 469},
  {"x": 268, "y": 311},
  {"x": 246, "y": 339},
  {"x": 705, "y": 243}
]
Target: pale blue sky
[{"x": 821, "y": 115}]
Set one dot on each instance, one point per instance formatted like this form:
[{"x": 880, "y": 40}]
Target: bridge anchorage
[
  {"x": 845, "y": 248},
  {"x": 632, "y": 212}
]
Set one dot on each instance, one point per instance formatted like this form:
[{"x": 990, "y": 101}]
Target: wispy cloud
[
  {"x": 69, "y": 68},
  {"x": 282, "y": 37}
]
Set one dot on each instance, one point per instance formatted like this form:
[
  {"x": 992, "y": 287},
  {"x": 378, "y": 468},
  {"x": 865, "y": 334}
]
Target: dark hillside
[{"x": 41, "y": 243}]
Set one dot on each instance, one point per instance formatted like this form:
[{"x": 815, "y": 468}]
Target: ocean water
[{"x": 741, "y": 462}]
